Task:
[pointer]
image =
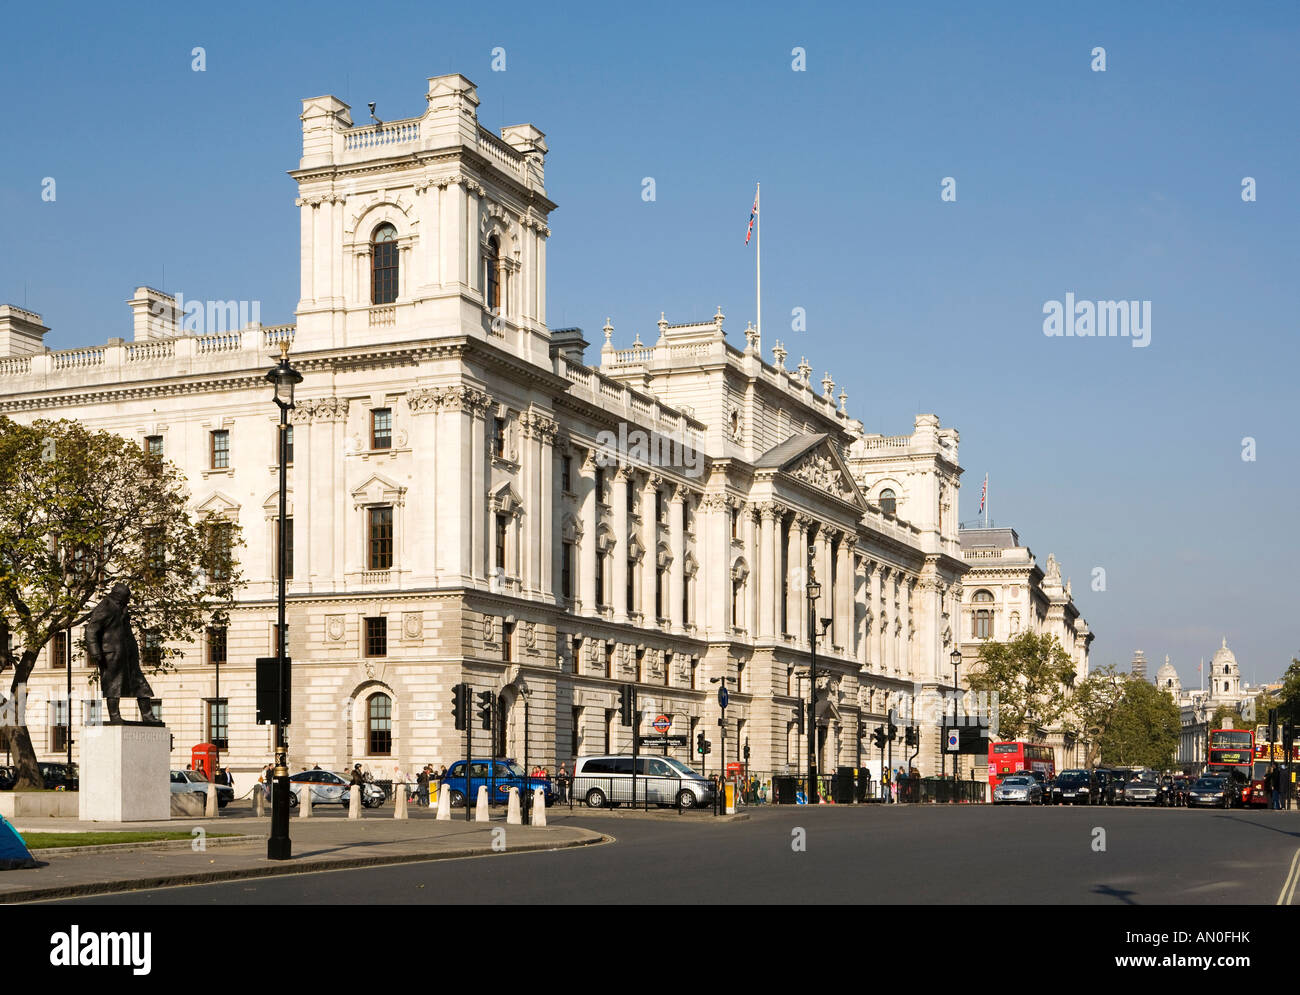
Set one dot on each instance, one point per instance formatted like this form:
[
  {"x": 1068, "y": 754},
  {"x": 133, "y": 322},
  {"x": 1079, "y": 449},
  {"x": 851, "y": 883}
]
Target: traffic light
[
  {"x": 746, "y": 749},
  {"x": 460, "y": 704},
  {"x": 699, "y": 743},
  {"x": 878, "y": 737},
  {"x": 893, "y": 732},
  {"x": 798, "y": 718},
  {"x": 485, "y": 709},
  {"x": 909, "y": 735},
  {"x": 627, "y": 704}
]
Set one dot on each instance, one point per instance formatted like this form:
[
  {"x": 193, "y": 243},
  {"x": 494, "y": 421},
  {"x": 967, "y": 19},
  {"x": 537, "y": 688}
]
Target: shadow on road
[{"x": 1123, "y": 896}]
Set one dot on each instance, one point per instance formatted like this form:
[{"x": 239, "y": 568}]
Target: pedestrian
[
  {"x": 422, "y": 787},
  {"x": 359, "y": 781},
  {"x": 1273, "y": 782},
  {"x": 562, "y": 779},
  {"x": 885, "y": 791}
]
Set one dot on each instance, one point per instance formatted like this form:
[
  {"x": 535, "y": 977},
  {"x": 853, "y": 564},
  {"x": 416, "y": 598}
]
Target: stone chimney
[
  {"x": 21, "y": 332},
  {"x": 569, "y": 343},
  {"x": 153, "y": 315}
]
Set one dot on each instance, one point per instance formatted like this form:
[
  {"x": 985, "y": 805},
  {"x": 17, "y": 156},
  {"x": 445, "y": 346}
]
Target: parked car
[
  {"x": 1143, "y": 791},
  {"x": 607, "y": 780},
  {"x": 1018, "y": 789},
  {"x": 329, "y": 788},
  {"x": 1110, "y": 785},
  {"x": 60, "y": 776},
  {"x": 193, "y": 780},
  {"x": 1073, "y": 787},
  {"x": 8, "y": 778},
  {"x": 1212, "y": 791}
]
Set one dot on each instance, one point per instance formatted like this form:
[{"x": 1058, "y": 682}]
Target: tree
[
  {"x": 79, "y": 512},
  {"x": 1289, "y": 709},
  {"x": 1096, "y": 702},
  {"x": 1227, "y": 717},
  {"x": 1145, "y": 729},
  {"x": 1028, "y": 675}
]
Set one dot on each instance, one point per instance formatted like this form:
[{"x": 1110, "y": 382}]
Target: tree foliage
[
  {"x": 1096, "y": 702},
  {"x": 79, "y": 512},
  {"x": 1144, "y": 730},
  {"x": 1029, "y": 674}
]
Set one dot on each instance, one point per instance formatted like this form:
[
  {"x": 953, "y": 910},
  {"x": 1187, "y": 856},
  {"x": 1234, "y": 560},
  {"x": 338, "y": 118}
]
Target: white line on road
[{"x": 1288, "y": 886}]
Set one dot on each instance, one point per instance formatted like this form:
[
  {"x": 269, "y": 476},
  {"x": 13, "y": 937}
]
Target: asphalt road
[{"x": 877, "y": 854}]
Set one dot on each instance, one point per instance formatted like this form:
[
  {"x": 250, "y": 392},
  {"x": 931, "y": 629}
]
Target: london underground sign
[{"x": 662, "y": 724}]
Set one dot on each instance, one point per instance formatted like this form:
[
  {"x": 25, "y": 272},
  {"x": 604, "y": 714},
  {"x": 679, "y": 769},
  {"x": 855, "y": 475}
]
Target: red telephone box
[{"x": 205, "y": 758}]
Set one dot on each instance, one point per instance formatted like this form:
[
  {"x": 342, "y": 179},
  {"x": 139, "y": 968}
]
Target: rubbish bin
[{"x": 783, "y": 790}]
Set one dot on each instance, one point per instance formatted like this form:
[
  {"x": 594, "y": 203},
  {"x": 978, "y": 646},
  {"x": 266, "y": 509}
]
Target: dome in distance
[{"x": 1224, "y": 662}]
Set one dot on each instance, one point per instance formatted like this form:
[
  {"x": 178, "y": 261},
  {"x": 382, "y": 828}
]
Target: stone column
[
  {"x": 749, "y": 531},
  {"x": 306, "y": 249},
  {"x": 677, "y": 569},
  {"x": 423, "y": 406},
  {"x": 545, "y": 521},
  {"x": 844, "y": 614},
  {"x": 480, "y": 515},
  {"x": 797, "y": 610},
  {"x": 766, "y": 578},
  {"x": 619, "y": 553},
  {"x": 300, "y": 481},
  {"x": 880, "y": 594},
  {"x": 590, "y": 525},
  {"x": 650, "y": 561},
  {"x": 905, "y": 615}
]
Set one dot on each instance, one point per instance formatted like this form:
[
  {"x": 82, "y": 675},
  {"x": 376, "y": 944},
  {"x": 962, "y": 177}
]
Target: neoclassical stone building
[
  {"x": 1008, "y": 593},
  {"x": 471, "y": 500}
]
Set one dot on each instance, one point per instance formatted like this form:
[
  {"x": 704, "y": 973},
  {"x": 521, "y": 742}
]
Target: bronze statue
[{"x": 111, "y": 646}]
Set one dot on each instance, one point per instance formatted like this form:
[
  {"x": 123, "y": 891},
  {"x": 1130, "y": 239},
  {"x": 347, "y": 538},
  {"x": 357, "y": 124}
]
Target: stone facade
[{"x": 473, "y": 502}]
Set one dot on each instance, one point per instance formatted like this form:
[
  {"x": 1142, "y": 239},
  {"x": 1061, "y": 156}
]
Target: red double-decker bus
[
  {"x": 1232, "y": 752},
  {"x": 1008, "y": 758}
]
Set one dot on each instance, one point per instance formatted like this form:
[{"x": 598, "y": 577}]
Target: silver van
[{"x": 607, "y": 780}]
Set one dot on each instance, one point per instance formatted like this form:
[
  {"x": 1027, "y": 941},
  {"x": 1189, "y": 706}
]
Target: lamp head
[
  {"x": 955, "y": 657},
  {"x": 284, "y": 377}
]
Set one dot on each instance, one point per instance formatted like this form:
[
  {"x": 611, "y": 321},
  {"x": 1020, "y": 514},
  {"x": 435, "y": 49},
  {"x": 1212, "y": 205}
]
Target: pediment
[
  {"x": 220, "y": 505},
  {"x": 814, "y": 461},
  {"x": 378, "y": 489}
]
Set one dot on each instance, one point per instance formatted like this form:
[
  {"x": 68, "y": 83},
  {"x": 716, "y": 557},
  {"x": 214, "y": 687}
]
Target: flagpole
[{"x": 758, "y": 271}]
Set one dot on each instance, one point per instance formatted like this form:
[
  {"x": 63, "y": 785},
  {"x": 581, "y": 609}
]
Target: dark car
[
  {"x": 60, "y": 776},
  {"x": 1111, "y": 785},
  {"x": 502, "y": 775},
  {"x": 1073, "y": 787},
  {"x": 1044, "y": 783},
  {"x": 8, "y": 778},
  {"x": 1238, "y": 783},
  {"x": 1212, "y": 791}
]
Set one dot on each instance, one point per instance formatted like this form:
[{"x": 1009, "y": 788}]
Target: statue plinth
[{"x": 125, "y": 773}]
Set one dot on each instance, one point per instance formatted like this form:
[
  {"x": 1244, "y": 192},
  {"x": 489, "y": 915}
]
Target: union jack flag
[
  {"x": 984, "y": 491},
  {"x": 752, "y": 216}
]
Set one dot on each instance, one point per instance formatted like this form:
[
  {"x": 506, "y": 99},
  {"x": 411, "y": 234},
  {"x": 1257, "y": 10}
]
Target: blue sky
[{"x": 1117, "y": 184}]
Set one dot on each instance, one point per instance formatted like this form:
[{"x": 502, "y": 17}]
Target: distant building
[{"x": 1197, "y": 706}]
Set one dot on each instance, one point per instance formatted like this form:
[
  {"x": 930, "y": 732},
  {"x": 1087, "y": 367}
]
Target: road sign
[
  {"x": 723, "y": 697},
  {"x": 954, "y": 741},
  {"x": 661, "y": 741},
  {"x": 662, "y": 724}
]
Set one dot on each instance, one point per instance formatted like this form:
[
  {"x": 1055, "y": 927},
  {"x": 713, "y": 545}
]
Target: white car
[
  {"x": 1018, "y": 789},
  {"x": 192, "y": 780},
  {"x": 331, "y": 789}
]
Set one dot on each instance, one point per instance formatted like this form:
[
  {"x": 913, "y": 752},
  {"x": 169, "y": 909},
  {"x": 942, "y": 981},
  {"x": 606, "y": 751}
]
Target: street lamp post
[
  {"x": 814, "y": 592},
  {"x": 279, "y": 847},
  {"x": 955, "y": 657}
]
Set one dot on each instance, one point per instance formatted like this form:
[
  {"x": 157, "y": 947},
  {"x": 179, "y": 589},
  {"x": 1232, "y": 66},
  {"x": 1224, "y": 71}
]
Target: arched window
[
  {"x": 983, "y": 596},
  {"x": 492, "y": 281},
  {"x": 383, "y": 265},
  {"x": 379, "y": 725},
  {"x": 888, "y": 503}
]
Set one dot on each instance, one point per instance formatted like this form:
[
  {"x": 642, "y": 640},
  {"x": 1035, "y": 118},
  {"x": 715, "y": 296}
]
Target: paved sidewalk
[{"x": 318, "y": 844}]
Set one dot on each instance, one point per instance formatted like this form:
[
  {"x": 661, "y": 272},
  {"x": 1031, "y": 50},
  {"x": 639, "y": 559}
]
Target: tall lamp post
[
  {"x": 814, "y": 592},
  {"x": 955, "y": 657},
  {"x": 278, "y": 847}
]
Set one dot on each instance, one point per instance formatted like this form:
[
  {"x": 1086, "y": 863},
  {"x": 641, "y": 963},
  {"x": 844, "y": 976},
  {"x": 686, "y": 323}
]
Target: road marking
[{"x": 1287, "y": 893}]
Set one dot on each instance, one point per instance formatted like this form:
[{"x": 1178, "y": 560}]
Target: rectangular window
[
  {"x": 659, "y": 507},
  {"x": 377, "y": 636},
  {"x": 609, "y": 660},
  {"x": 153, "y": 445},
  {"x": 659, "y": 593},
  {"x": 59, "y": 650},
  {"x": 288, "y": 550},
  {"x": 507, "y": 641},
  {"x": 288, "y": 444},
  {"x": 600, "y": 580},
  {"x": 735, "y": 524},
  {"x": 566, "y": 474},
  {"x": 566, "y": 570},
  {"x": 59, "y": 725},
  {"x": 218, "y": 722},
  {"x": 631, "y": 585},
  {"x": 216, "y": 645},
  {"x": 686, "y": 601},
  {"x": 498, "y": 437},
  {"x": 218, "y": 556},
  {"x": 640, "y": 665},
  {"x": 501, "y": 543},
  {"x": 220, "y": 450},
  {"x": 381, "y": 538},
  {"x": 381, "y": 428},
  {"x": 574, "y": 735},
  {"x": 151, "y": 652},
  {"x": 600, "y": 485}
]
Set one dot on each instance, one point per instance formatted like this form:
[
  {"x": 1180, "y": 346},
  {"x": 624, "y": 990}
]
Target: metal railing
[{"x": 939, "y": 791}]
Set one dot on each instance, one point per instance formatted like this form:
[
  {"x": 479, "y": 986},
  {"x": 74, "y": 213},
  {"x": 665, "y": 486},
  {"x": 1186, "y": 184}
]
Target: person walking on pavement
[
  {"x": 422, "y": 787},
  {"x": 885, "y": 791},
  {"x": 562, "y": 780},
  {"x": 1273, "y": 782},
  {"x": 359, "y": 782}
]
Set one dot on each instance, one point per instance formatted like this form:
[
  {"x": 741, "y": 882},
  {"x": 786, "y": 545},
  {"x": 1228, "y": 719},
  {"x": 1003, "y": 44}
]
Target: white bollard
[
  {"x": 354, "y": 802},
  {"x": 444, "y": 806},
  {"x": 539, "y": 807},
  {"x": 399, "y": 802},
  {"x": 514, "y": 817},
  {"x": 210, "y": 810},
  {"x": 304, "y": 802},
  {"x": 259, "y": 802},
  {"x": 481, "y": 806}
]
